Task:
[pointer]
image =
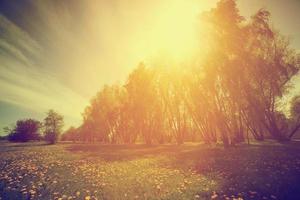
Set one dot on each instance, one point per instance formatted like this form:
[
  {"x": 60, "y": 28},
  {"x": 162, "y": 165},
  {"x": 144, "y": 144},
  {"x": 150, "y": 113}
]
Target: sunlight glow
[{"x": 174, "y": 32}]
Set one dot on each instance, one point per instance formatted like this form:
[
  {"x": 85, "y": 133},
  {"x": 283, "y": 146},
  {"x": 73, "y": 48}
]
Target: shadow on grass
[
  {"x": 270, "y": 171},
  {"x": 258, "y": 171},
  {"x": 128, "y": 152}
]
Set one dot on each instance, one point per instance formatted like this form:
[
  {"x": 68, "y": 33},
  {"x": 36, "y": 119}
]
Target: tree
[
  {"x": 250, "y": 69},
  {"x": 53, "y": 125},
  {"x": 71, "y": 134},
  {"x": 102, "y": 117},
  {"x": 233, "y": 91},
  {"x": 271, "y": 65},
  {"x": 8, "y": 129},
  {"x": 142, "y": 100},
  {"x": 295, "y": 116},
  {"x": 25, "y": 130}
]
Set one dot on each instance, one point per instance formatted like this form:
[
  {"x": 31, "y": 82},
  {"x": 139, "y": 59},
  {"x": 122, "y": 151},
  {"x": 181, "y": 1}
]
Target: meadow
[{"x": 191, "y": 171}]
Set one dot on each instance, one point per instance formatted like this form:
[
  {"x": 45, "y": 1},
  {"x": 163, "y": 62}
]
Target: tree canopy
[
  {"x": 53, "y": 124},
  {"x": 231, "y": 94},
  {"x": 24, "y": 131}
]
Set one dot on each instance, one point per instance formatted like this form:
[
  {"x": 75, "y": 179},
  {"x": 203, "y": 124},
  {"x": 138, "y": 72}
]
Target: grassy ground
[{"x": 190, "y": 171}]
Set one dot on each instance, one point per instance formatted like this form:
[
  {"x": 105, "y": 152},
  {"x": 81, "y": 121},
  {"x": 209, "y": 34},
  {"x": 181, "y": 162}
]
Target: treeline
[
  {"x": 32, "y": 130},
  {"x": 229, "y": 96}
]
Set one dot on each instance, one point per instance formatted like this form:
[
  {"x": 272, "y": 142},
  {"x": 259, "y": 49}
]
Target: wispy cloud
[{"x": 26, "y": 84}]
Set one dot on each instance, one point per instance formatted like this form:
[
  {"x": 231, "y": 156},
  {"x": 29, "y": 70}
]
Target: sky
[{"x": 57, "y": 54}]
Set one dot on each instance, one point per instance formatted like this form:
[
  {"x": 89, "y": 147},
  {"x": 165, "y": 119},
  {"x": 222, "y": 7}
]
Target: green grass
[{"x": 190, "y": 171}]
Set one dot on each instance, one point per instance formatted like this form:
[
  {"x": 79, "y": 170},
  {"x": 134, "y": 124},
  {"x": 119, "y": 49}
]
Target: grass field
[{"x": 190, "y": 171}]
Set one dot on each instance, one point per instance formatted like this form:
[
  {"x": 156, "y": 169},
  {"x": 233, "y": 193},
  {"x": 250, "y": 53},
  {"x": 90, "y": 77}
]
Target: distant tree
[
  {"x": 295, "y": 116},
  {"x": 7, "y": 130},
  {"x": 295, "y": 108},
  {"x": 25, "y": 130},
  {"x": 70, "y": 135},
  {"x": 3, "y": 137},
  {"x": 53, "y": 124}
]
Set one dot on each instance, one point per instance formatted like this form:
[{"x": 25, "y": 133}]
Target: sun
[{"x": 174, "y": 31}]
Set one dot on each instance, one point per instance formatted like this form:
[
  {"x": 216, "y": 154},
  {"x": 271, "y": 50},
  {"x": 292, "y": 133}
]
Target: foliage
[
  {"x": 295, "y": 116},
  {"x": 70, "y": 135},
  {"x": 53, "y": 124},
  {"x": 295, "y": 107},
  {"x": 231, "y": 94},
  {"x": 24, "y": 131}
]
